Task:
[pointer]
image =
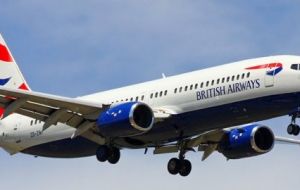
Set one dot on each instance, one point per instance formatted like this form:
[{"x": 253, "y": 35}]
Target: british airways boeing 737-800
[{"x": 196, "y": 110}]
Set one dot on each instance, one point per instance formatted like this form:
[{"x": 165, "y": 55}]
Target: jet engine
[
  {"x": 248, "y": 141},
  {"x": 125, "y": 120}
]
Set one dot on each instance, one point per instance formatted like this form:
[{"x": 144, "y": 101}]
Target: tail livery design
[{"x": 10, "y": 74}]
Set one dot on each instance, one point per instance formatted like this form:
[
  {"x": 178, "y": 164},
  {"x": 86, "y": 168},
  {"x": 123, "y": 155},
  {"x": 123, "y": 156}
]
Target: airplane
[{"x": 210, "y": 110}]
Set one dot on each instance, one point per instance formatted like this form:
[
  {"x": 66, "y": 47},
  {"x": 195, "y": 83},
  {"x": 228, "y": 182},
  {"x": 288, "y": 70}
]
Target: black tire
[
  {"x": 290, "y": 129},
  {"x": 296, "y": 130},
  {"x": 102, "y": 153},
  {"x": 186, "y": 168},
  {"x": 114, "y": 155},
  {"x": 174, "y": 166}
]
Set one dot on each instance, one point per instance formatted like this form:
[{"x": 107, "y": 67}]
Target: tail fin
[{"x": 10, "y": 74}]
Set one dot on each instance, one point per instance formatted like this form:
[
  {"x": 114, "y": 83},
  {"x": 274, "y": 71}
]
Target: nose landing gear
[{"x": 293, "y": 128}]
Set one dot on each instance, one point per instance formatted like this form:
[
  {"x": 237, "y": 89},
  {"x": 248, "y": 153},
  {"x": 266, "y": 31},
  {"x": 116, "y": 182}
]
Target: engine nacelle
[
  {"x": 125, "y": 120},
  {"x": 251, "y": 140}
]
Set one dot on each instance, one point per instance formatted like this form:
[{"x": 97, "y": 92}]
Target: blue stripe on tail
[{"x": 4, "y": 81}]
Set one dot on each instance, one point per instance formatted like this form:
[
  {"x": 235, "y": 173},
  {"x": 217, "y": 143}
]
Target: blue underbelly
[{"x": 66, "y": 148}]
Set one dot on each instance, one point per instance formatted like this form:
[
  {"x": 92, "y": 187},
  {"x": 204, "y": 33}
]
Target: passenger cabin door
[{"x": 269, "y": 75}]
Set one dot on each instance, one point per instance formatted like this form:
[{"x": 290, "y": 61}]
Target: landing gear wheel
[
  {"x": 290, "y": 129},
  {"x": 183, "y": 167},
  {"x": 102, "y": 153},
  {"x": 296, "y": 130},
  {"x": 186, "y": 168},
  {"x": 114, "y": 155},
  {"x": 293, "y": 129},
  {"x": 174, "y": 166}
]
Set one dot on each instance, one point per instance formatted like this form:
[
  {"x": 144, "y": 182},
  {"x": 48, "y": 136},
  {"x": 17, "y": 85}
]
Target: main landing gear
[
  {"x": 105, "y": 153},
  {"x": 293, "y": 128},
  {"x": 180, "y": 165}
]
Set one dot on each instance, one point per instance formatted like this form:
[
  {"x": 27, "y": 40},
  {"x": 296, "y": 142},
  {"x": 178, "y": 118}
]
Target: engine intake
[
  {"x": 248, "y": 141},
  {"x": 262, "y": 139},
  {"x": 141, "y": 117},
  {"x": 125, "y": 120}
]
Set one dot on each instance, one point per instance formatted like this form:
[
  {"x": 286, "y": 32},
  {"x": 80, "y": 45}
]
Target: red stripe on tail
[
  {"x": 4, "y": 54},
  {"x": 24, "y": 87}
]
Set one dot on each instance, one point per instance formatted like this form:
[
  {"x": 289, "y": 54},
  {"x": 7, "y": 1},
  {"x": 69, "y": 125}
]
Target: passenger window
[
  {"x": 31, "y": 122},
  {"x": 207, "y": 83},
  {"x": 232, "y": 78},
  {"x": 295, "y": 66},
  {"x": 175, "y": 90},
  {"x": 223, "y": 79},
  {"x": 201, "y": 86},
  {"x": 180, "y": 89},
  {"x": 166, "y": 92},
  {"x": 196, "y": 86},
  {"x": 218, "y": 81},
  {"x": 186, "y": 87},
  {"x": 243, "y": 75},
  {"x": 151, "y": 96},
  {"x": 126, "y": 99},
  {"x": 161, "y": 93},
  {"x": 237, "y": 77},
  {"x": 156, "y": 94},
  {"x": 142, "y": 97},
  {"x": 191, "y": 87},
  {"x": 212, "y": 82},
  {"x": 228, "y": 79},
  {"x": 248, "y": 75},
  {"x": 131, "y": 99}
]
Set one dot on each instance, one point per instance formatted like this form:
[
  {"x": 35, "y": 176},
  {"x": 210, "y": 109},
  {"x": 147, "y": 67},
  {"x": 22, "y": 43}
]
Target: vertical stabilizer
[{"x": 10, "y": 74}]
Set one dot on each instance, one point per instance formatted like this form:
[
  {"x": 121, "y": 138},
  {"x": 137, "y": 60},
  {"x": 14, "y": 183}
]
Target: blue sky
[{"x": 73, "y": 48}]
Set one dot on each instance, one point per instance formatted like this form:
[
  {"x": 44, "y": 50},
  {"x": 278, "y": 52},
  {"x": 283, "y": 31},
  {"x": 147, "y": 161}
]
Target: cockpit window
[{"x": 295, "y": 66}]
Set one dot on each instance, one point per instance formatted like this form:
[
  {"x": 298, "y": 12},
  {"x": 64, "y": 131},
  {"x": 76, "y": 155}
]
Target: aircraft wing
[
  {"x": 51, "y": 109},
  {"x": 208, "y": 143},
  {"x": 286, "y": 140}
]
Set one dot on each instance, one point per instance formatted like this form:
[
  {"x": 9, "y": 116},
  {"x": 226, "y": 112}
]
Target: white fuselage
[{"x": 178, "y": 94}]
